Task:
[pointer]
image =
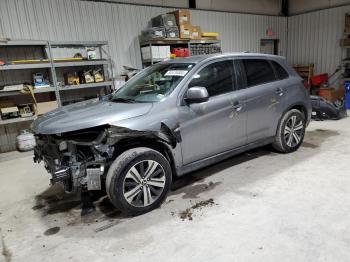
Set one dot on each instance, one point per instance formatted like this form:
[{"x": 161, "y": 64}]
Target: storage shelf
[
  {"x": 23, "y": 43},
  {"x": 46, "y": 61},
  {"x": 17, "y": 120},
  {"x": 155, "y": 60},
  {"x": 171, "y": 41},
  {"x": 36, "y": 91},
  {"x": 81, "y": 63},
  {"x": 63, "y": 44},
  {"x": 90, "y": 85},
  {"x": 25, "y": 66},
  {"x": 166, "y": 41},
  {"x": 199, "y": 41}
]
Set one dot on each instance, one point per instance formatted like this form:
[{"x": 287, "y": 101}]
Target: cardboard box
[
  {"x": 164, "y": 51},
  {"x": 153, "y": 33},
  {"x": 44, "y": 107},
  {"x": 185, "y": 31},
  {"x": 183, "y": 17},
  {"x": 196, "y": 32},
  {"x": 331, "y": 94},
  {"x": 172, "y": 32},
  {"x": 165, "y": 20},
  {"x": 345, "y": 42},
  {"x": 146, "y": 52},
  {"x": 9, "y": 112}
]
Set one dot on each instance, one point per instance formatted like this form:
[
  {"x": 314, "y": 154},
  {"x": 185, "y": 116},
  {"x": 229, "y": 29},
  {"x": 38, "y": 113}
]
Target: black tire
[
  {"x": 282, "y": 143},
  {"x": 118, "y": 171}
]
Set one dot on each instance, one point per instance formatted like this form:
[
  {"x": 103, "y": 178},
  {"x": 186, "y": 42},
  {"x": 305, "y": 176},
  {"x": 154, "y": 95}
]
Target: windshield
[{"x": 153, "y": 83}]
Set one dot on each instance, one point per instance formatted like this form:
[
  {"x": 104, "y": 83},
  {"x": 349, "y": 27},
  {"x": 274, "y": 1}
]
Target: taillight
[{"x": 306, "y": 83}]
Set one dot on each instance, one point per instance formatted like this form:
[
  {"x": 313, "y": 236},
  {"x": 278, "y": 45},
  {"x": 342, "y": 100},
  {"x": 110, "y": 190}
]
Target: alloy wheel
[
  {"x": 144, "y": 183},
  {"x": 293, "y": 131}
]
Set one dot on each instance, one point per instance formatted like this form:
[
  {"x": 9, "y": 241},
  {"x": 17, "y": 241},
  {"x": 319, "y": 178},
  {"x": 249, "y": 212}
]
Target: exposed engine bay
[{"x": 81, "y": 159}]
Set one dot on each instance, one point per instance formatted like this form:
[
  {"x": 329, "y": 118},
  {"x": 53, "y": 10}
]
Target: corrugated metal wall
[
  {"x": 121, "y": 24},
  {"x": 314, "y": 38}
]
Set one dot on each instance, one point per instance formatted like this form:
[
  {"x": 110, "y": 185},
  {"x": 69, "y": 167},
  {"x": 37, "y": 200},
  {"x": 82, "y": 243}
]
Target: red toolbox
[
  {"x": 180, "y": 52},
  {"x": 319, "y": 79}
]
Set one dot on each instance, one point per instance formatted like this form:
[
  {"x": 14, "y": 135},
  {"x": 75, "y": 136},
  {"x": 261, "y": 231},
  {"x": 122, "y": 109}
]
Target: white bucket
[{"x": 25, "y": 140}]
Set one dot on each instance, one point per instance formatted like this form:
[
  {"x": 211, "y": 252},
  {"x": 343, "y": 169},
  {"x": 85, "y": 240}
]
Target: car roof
[{"x": 200, "y": 58}]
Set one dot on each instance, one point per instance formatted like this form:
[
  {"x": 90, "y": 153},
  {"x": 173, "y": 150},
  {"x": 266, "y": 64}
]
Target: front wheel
[
  {"x": 290, "y": 132},
  {"x": 138, "y": 180}
]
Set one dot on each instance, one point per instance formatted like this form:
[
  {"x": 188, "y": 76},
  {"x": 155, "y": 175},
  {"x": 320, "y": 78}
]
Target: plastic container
[
  {"x": 164, "y": 20},
  {"x": 25, "y": 140},
  {"x": 319, "y": 79},
  {"x": 172, "y": 32},
  {"x": 180, "y": 52},
  {"x": 347, "y": 95},
  {"x": 153, "y": 33}
]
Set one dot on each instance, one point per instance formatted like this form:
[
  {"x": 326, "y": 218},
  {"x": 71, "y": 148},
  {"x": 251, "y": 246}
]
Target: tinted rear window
[
  {"x": 258, "y": 71},
  {"x": 281, "y": 72}
]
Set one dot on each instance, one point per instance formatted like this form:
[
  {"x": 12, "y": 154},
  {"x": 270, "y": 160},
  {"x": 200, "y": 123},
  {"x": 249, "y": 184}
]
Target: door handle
[
  {"x": 279, "y": 91},
  {"x": 237, "y": 106}
]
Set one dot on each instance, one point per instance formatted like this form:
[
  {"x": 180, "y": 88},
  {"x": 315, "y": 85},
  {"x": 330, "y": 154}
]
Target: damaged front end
[
  {"x": 81, "y": 159},
  {"x": 75, "y": 159}
]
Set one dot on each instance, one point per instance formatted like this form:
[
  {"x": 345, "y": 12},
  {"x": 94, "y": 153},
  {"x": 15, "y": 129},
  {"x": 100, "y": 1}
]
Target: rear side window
[
  {"x": 281, "y": 72},
  {"x": 216, "y": 77},
  {"x": 258, "y": 71}
]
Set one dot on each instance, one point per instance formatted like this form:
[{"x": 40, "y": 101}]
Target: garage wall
[
  {"x": 302, "y": 6},
  {"x": 121, "y": 24},
  {"x": 267, "y": 7},
  {"x": 314, "y": 38}
]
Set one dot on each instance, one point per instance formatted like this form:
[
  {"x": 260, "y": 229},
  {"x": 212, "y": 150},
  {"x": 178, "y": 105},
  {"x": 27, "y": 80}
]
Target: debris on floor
[
  {"x": 201, "y": 204},
  {"x": 187, "y": 214},
  {"x": 52, "y": 231}
]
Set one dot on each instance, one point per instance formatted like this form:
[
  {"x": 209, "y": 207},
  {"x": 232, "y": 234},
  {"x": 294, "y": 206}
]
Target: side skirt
[{"x": 221, "y": 156}]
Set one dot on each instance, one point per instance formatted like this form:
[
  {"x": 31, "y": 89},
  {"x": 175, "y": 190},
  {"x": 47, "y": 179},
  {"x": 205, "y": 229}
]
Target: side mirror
[{"x": 197, "y": 94}]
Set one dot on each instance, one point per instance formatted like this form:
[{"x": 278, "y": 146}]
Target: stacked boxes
[
  {"x": 158, "y": 52},
  {"x": 347, "y": 23},
  {"x": 168, "y": 23},
  {"x": 196, "y": 32},
  {"x": 183, "y": 17},
  {"x": 185, "y": 31},
  {"x": 176, "y": 24},
  {"x": 172, "y": 32},
  {"x": 153, "y": 33},
  {"x": 165, "y": 20}
]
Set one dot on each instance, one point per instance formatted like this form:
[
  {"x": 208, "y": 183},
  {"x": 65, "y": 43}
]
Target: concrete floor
[{"x": 266, "y": 207}]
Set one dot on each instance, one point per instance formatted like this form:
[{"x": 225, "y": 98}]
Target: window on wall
[
  {"x": 281, "y": 72},
  {"x": 217, "y": 77},
  {"x": 258, "y": 71}
]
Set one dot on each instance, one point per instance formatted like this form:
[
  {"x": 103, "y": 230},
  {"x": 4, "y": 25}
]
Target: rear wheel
[
  {"x": 138, "y": 180},
  {"x": 290, "y": 132}
]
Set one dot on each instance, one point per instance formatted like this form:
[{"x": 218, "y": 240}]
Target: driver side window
[{"x": 217, "y": 78}]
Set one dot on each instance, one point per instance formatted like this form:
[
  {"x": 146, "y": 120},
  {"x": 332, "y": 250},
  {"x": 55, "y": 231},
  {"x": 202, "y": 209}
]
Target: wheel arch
[
  {"x": 299, "y": 106},
  {"x": 143, "y": 141}
]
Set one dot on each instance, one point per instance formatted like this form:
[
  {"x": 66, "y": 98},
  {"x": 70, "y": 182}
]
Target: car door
[
  {"x": 262, "y": 94},
  {"x": 217, "y": 125}
]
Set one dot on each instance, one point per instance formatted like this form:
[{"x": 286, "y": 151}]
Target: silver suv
[{"x": 171, "y": 119}]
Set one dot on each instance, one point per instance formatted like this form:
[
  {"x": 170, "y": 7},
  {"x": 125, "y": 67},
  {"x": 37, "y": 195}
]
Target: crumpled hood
[{"x": 87, "y": 114}]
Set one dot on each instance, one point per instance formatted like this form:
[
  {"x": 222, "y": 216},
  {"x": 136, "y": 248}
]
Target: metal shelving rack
[
  {"x": 172, "y": 42},
  {"x": 49, "y": 63}
]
